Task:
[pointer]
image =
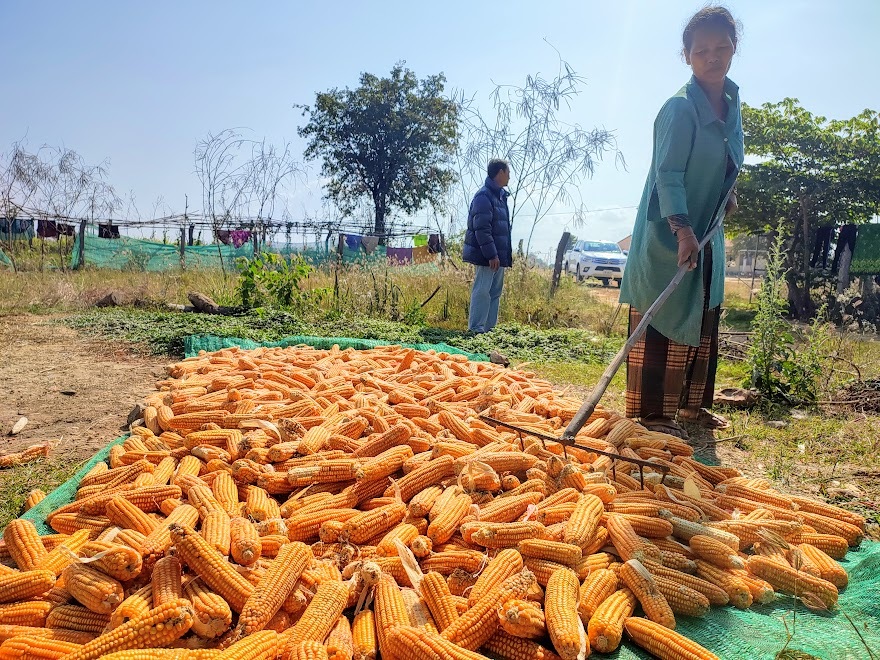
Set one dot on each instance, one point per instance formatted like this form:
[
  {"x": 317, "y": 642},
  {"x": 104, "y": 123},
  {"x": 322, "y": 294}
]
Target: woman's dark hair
[
  {"x": 711, "y": 16},
  {"x": 496, "y": 165}
]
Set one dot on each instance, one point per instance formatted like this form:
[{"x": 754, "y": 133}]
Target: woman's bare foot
[
  {"x": 704, "y": 418},
  {"x": 665, "y": 425}
]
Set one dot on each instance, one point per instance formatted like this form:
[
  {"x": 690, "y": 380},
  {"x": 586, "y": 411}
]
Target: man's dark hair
[
  {"x": 712, "y": 16},
  {"x": 496, "y": 165}
]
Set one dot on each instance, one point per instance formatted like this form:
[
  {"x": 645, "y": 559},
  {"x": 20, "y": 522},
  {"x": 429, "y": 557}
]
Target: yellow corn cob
[
  {"x": 605, "y": 628},
  {"x": 212, "y": 615},
  {"x": 95, "y": 590},
  {"x": 362, "y": 526},
  {"x": 629, "y": 544},
  {"x": 505, "y": 535},
  {"x": 808, "y": 505},
  {"x": 211, "y": 566},
  {"x": 476, "y": 626},
  {"x": 430, "y": 474},
  {"x": 166, "y": 581},
  {"x": 761, "y": 590},
  {"x": 262, "y": 645},
  {"x": 339, "y": 642},
  {"x": 158, "y": 541},
  {"x": 682, "y": 599},
  {"x": 829, "y": 569},
  {"x": 59, "y": 557},
  {"x": 598, "y": 587},
  {"x": 505, "y": 564},
  {"x": 737, "y": 591},
  {"x": 226, "y": 493},
  {"x": 76, "y": 617},
  {"x": 28, "y": 613},
  {"x": 390, "y": 610},
  {"x": 245, "y": 545},
  {"x": 522, "y": 618},
  {"x": 25, "y": 585},
  {"x": 563, "y": 624},
  {"x": 118, "y": 561},
  {"x": 274, "y": 588},
  {"x": 136, "y": 605},
  {"x": 24, "y": 545},
  {"x": 123, "y": 513},
  {"x": 216, "y": 530},
  {"x": 664, "y": 643},
  {"x": 447, "y": 562},
  {"x": 561, "y": 553},
  {"x": 435, "y": 592},
  {"x": 33, "y": 498},
  {"x": 642, "y": 584},
  {"x": 320, "y": 616},
  {"x": 363, "y": 633},
  {"x": 161, "y": 626},
  {"x": 714, "y": 593},
  {"x": 10, "y": 631},
  {"x": 37, "y": 647},
  {"x": 420, "y": 644},
  {"x": 715, "y": 552},
  {"x": 832, "y": 545},
  {"x": 815, "y": 593},
  {"x": 508, "y": 647},
  {"x": 584, "y": 521},
  {"x": 308, "y": 650}
]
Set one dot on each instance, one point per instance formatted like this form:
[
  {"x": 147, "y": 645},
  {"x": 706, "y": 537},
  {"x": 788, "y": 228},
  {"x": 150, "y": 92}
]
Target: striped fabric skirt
[{"x": 663, "y": 376}]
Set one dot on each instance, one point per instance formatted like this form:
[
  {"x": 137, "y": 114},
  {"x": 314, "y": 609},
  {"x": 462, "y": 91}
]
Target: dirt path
[{"x": 39, "y": 360}]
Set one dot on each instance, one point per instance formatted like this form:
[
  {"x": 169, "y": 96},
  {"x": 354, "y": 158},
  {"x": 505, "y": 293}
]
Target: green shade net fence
[
  {"x": 866, "y": 256},
  {"x": 140, "y": 255},
  {"x": 758, "y": 633}
]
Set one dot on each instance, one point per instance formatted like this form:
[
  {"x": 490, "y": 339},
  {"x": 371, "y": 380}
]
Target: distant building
[{"x": 624, "y": 243}]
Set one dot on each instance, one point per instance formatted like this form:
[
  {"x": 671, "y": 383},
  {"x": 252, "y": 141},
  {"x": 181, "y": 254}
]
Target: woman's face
[{"x": 710, "y": 54}]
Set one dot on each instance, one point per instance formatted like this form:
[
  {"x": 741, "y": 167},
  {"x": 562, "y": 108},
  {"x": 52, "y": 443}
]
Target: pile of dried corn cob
[{"x": 348, "y": 505}]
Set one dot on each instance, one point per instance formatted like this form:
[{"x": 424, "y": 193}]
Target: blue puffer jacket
[{"x": 488, "y": 232}]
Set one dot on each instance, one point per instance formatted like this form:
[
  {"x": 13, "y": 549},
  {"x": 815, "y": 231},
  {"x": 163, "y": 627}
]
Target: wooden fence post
[
  {"x": 557, "y": 267},
  {"x": 183, "y": 248},
  {"x": 81, "y": 257}
]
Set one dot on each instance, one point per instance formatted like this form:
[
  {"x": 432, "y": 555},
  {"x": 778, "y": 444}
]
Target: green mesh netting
[
  {"x": 66, "y": 492},
  {"x": 195, "y": 343},
  {"x": 138, "y": 255},
  {"x": 755, "y": 634},
  {"x": 5, "y": 262},
  {"x": 866, "y": 256}
]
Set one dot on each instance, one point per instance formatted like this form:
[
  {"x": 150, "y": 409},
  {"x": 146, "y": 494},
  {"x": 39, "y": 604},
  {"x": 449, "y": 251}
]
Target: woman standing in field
[{"x": 698, "y": 151}]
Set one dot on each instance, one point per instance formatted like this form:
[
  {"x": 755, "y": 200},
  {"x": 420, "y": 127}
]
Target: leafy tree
[
  {"x": 810, "y": 171},
  {"x": 389, "y": 140}
]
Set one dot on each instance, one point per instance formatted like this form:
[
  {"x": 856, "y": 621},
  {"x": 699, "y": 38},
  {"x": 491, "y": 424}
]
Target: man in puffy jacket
[{"x": 488, "y": 246}]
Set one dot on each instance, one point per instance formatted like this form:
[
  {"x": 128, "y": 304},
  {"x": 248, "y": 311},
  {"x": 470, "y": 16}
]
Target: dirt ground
[{"x": 72, "y": 389}]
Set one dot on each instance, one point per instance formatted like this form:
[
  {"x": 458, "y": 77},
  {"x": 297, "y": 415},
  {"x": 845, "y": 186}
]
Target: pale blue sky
[{"x": 138, "y": 83}]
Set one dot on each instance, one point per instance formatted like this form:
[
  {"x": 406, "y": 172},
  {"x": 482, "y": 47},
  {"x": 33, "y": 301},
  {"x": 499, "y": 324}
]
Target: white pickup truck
[{"x": 600, "y": 259}]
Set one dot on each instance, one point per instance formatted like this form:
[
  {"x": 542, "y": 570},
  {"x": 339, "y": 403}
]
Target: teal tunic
[{"x": 688, "y": 176}]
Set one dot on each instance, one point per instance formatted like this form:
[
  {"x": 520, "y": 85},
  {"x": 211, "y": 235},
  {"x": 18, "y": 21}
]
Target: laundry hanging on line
[
  {"x": 420, "y": 240},
  {"x": 353, "y": 242},
  {"x": 239, "y": 237},
  {"x": 369, "y": 243},
  {"x": 399, "y": 256},
  {"x": 423, "y": 255},
  {"x": 434, "y": 244}
]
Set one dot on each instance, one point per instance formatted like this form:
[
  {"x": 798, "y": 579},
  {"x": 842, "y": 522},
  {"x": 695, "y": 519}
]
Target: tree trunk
[
  {"x": 557, "y": 266},
  {"x": 808, "y": 301},
  {"x": 843, "y": 272},
  {"x": 381, "y": 209}
]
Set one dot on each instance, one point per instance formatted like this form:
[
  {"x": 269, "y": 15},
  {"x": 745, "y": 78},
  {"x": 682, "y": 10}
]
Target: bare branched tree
[
  {"x": 243, "y": 179},
  {"x": 55, "y": 183},
  {"x": 548, "y": 156}
]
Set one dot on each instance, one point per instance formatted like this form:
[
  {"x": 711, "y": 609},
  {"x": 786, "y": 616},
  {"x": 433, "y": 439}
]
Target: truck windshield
[{"x": 598, "y": 246}]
